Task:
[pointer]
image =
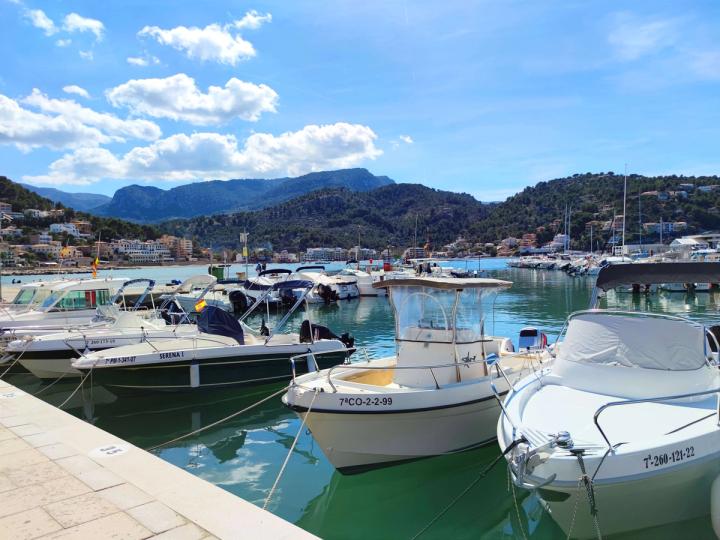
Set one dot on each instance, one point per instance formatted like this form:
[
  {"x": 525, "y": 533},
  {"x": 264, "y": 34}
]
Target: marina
[{"x": 269, "y": 450}]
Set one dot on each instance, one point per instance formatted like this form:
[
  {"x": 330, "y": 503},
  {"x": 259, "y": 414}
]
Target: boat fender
[
  {"x": 715, "y": 505},
  {"x": 264, "y": 330}
]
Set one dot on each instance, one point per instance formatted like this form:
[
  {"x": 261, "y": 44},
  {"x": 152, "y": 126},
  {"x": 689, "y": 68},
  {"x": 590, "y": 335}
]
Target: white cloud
[
  {"x": 178, "y": 98},
  {"x": 213, "y": 155},
  {"x": 252, "y": 20},
  {"x": 27, "y": 129},
  {"x": 62, "y": 124},
  {"x": 39, "y": 20},
  {"x": 634, "y": 37},
  {"x": 115, "y": 128},
  {"x": 63, "y": 42},
  {"x": 213, "y": 43},
  {"x": 77, "y": 23},
  {"x": 75, "y": 89},
  {"x": 143, "y": 61},
  {"x": 86, "y": 55},
  {"x": 407, "y": 139}
]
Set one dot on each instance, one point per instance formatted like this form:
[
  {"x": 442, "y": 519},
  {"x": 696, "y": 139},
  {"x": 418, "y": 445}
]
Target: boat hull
[
  {"x": 354, "y": 441},
  {"x": 670, "y": 496},
  {"x": 205, "y": 373}
]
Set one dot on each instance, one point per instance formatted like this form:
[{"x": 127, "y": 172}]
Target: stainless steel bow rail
[
  {"x": 348, "y": 365},
  {"x": 658, "y": 399}
]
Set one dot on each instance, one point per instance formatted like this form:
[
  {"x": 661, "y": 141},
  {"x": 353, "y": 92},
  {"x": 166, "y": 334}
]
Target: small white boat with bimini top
[
  {"x": 434, "y": 397},
  {"x": 49, "y": 356},
  {"x": 225, "y": 352},
  {"x": 622, "y": 431}
]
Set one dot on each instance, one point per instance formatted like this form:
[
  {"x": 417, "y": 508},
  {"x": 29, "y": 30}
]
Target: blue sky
[{"x": 484, "y": 97}]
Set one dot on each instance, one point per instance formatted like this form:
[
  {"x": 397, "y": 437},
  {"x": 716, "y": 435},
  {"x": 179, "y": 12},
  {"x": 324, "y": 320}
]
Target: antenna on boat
[{"x": 624, "y": 209}]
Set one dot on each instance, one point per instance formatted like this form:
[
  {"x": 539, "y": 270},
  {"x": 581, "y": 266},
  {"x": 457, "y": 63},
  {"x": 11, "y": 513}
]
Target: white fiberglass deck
[{"x": 557, "y": 408}]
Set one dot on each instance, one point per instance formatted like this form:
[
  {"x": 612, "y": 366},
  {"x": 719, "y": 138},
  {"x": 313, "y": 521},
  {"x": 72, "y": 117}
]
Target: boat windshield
[
  {"x": 441, "y": 315},
  {"x": 25, "y": 296},
  {"x": 75, "y": 300},
  {"x": 634, "y": 341}
]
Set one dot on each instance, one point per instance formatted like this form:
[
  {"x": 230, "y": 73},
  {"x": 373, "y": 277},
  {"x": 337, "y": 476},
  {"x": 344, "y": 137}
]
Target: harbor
[{"x": 267, "y": 456}]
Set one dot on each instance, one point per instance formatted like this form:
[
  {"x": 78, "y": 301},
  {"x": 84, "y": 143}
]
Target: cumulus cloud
[
  {"x": 28, "y": 129},
  {"x": 39, "y": 20},
  {"x": 215, "y": 42},
  {"x": 252, "y": 20},
  {"x": 116, "y": 128},
  {"x": 143, "y": 61},
  {"x": 178, "y": 98},
  {"x": 86, "y": 55},
  {"x": 63, "y": 42},
  {"x": 77, "y": 23},
  {"x": 64, "y": 124},
  {"x": 75, "y": 89},
  {"x": 213, "y": 155},
  {"x": 634, "y": 37},
  {"x": 407, "y": 139}
]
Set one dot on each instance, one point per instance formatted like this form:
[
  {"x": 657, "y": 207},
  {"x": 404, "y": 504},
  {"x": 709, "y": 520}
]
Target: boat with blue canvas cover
[{"x": 225, "y": 352}]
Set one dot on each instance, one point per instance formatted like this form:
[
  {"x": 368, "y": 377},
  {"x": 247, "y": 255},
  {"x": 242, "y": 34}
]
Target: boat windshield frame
[{"x": 451, "y": 309}]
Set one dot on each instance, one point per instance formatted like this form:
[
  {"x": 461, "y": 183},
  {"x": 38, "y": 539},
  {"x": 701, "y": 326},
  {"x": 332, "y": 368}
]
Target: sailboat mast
[
  {"x": 624, "y": 209},
  {"x": 640, "y": 218}
]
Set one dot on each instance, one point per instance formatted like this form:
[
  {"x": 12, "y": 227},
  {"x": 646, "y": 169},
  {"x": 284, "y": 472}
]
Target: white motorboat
[
  {"x": 188, "y": 293},
  {"x": 364, "y": 281},
  {"x": 71, "y": 303},
  {"x": 327, "y": 288},
  {"x": 226, "y": 352},
  {"x": 49, "y": 356},
  {"x": 621, "y": 432},
  {"x": 434, "y": 397},
  {"x": 28, "y": 296}
]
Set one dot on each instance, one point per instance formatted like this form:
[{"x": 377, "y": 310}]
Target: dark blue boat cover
[{"x": 213, "y": 320}]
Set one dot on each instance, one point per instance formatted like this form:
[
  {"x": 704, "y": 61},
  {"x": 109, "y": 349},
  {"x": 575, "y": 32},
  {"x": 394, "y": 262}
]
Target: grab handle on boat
[{"x": 602, "y": 408}]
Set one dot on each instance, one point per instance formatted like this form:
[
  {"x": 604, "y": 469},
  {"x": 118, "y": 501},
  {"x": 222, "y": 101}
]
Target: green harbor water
[{"x": 245, "y": 454}]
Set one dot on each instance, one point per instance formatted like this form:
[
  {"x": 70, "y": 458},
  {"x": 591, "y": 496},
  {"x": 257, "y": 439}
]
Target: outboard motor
[
  {"x": 239, "y": 302},
  {"x": 532, "y": 339},
  {"x": 326, "y": 293},
  {"x": 312, "y": 332}
]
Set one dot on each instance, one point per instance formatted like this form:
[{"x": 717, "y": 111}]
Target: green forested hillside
[
  {"x": 335, "y": 217},
  {"x": 598, "y": 197},
  {"x": 23, "y": 199}
]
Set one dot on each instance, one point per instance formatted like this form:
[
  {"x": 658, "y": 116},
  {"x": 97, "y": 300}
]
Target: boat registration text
[
  {"x": 365, "y": 402},
  {"x": 676, "y": 456}
]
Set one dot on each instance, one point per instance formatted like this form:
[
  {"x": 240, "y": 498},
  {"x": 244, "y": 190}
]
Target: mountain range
[{"x": 149, "y": 204}]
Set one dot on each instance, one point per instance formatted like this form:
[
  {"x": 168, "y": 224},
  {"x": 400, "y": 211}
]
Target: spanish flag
[
  {"x": 200, "y": 305},
  {"x": 94, "y": 267}
]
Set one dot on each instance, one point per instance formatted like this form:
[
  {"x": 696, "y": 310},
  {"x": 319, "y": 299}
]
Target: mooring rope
[
  {"x": 233, "y": 415},
  {"x": 79, "y": 386},
  {"x": 50, "y": 385},
  {"x": 464, "y": 492},
  {"x": 292, "y": 447},
  {"x": 17, "y": 359}
]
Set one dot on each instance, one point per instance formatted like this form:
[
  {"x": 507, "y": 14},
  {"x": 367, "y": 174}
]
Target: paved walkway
[{"x": 62, "y": 478}]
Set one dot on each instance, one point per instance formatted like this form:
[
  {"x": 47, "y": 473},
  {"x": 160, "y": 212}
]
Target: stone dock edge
[{"x": 63, "y": 478}]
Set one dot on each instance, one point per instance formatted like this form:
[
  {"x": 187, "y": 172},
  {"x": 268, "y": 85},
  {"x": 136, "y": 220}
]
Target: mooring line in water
[
  {"x": 79, "y": 386},
  {"x": 287, "y": 458},
  {"x": 233, "y": 415},
  {"x": 464, "y": 492},
  {"x": 51, "y": 384},
  {"x": 17, "y": 359}
]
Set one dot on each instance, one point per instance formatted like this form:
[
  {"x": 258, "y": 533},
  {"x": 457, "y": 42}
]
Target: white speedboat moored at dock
[
  {"x": 434, "y": 397},
  {"x": 621, "y": 432}
]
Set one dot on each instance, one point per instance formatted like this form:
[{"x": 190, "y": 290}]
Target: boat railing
[
  {"x": 486, "y": 362},
  {"x": 602, "y": 408}
]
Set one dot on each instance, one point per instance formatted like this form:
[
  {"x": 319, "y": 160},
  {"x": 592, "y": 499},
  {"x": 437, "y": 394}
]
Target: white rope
[
  {"x": 50, "y": 385},
  {"x": 17, "y": 359},
  {"x": 287, "y": 458},
  {"x": 233, "y": 415},
  {"x": 78, "y": 387}
]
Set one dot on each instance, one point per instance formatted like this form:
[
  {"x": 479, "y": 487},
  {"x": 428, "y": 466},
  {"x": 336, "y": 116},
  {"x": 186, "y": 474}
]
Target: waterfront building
[
  {"x": 139, "y": 252},
  {"x": 68, "y": 228},
  {"x": 326, "y": 254}
]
